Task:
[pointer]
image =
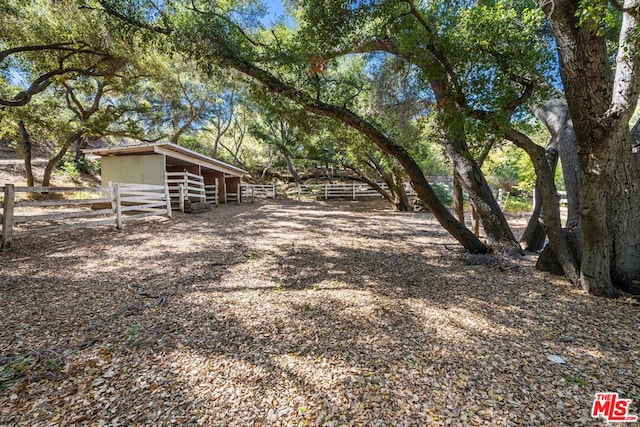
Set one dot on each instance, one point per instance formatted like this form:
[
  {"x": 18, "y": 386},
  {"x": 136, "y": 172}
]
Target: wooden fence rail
[
  {"x": 186, "y": 185},
  {"x": 115, "y": 204},
  {"x": 352, "y": 190},
  {"x": 252, "y": 191},
  {"x": 235, "y": 196}
]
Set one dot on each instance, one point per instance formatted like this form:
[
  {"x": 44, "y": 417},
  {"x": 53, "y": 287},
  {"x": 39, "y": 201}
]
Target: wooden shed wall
[{"x": 138, "y": 169}]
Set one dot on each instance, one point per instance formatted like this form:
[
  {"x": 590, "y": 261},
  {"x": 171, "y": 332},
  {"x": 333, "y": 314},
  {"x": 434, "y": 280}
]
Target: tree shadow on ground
[{"x": 299, "y": 313}]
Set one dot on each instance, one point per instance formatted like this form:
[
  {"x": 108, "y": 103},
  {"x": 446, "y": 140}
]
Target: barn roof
[{"x": 173, "y": 151}]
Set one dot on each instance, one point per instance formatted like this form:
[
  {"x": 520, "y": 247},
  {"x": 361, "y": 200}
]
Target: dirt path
[{"x": 298, "y": 313}]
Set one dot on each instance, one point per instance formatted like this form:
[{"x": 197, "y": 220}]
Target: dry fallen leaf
[{"x": 299, "y": 313}]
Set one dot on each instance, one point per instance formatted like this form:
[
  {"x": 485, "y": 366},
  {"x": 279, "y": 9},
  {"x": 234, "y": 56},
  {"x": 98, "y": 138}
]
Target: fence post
[
  {"x": 168, "y": 198},
  {"x": 203, "y": 194},
  {"x": 7, "y": 216},
  {"x": 112, "y": 196},
  {"x": 273, "y": 189},
  {"x": 353, "y": 192},
  {"x": 299, "y": 192},
  {"x": 253, "y": 194},
  {"x": 181, "y": 197},
  {"x": 217, "y": 191},
  {"x": 116, "y": 191},
  {"x": 533, "y": 199},
  {"x": 326, "y": 191},
  {"x": 500, "y": 193}
]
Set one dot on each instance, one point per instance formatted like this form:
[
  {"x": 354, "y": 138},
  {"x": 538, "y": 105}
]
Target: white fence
[
  {"x": 561, "y": 194},
  {"x": 211, "y": 193},
  {"x": 235, "y": 196},
  {"x": 352, "y": 190},
  {"x": 251, "y": 191},
  {"x": 22, "y": 215},
  {"x": 185, "y": 186}
]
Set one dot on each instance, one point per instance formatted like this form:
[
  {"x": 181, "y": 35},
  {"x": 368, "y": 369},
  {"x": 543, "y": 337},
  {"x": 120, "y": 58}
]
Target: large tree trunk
[
  {"x": 624, "y": 214},
  {"x": 600, "y": 108},
  {"x": 26, "y": 149},
  {"x": 533, "y": 236}
]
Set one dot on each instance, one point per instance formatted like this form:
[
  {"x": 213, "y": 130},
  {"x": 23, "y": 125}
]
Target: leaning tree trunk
[
  {"x": 554, "y": 114},
  {"x": 53, "y": 162},
  {"x": 494, "y": 223},
  {"x": 475, "y": 217},
  {"x": 395, "y": 192},
  {"x": 26, "y": 148},
  {"x": 82, "y": 143},
  {"x": 292, "y": 170},
  {"x": 373, "y": 184},
  {"x": 550, "y": 205},
  {"x": 534, "y": 236},
  {"x": 348, "y": 117}
]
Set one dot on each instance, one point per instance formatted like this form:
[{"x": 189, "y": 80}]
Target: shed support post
[
  {"x": 7, "y": 216},
  {"x": 112, "y": 196},
  {"x": 181, "y": 197},
  {"x": 116, "y": 191},
  {"x": 168, "y": 199},
  {"x": 239, "y": 194},
  {"x": 217, "y": 192},
  {"x": 224, "y": 187}
]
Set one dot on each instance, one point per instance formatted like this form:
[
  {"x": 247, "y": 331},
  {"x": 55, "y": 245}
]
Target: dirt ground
[{"x": 299, "y": 313}]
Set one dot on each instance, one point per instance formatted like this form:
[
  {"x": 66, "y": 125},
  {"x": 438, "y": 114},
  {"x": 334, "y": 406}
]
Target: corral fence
[
  {"x": 352, "y": 190},
  {"x": 357, "y": 190},
  {"x": 253, "y": 191},
  {"x": 186, "y": 186},
  {"x": 23, "y": 215}
]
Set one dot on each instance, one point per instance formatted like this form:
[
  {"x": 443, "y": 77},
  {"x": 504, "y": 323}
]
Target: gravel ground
[{"x": 299, "y": 313}]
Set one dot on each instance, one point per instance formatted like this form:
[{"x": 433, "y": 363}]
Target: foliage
[
  {"x": 518, "y": 204},
  {"x": 444, "y": 192},
  {"x": 70, "y": 169},
  {"x": 510, "y": 168}
]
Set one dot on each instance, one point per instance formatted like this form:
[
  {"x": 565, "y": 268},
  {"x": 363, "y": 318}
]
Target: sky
[{"x": 275, "y": 10}]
